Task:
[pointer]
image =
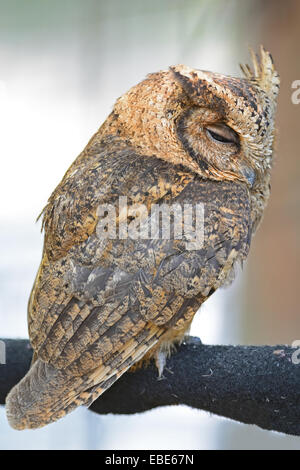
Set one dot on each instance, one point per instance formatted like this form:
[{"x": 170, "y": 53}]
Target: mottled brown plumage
[{"x": 99, "y": 305}]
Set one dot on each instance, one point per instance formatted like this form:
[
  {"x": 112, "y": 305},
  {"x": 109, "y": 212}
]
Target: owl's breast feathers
[{"x": 98, "y": 304}]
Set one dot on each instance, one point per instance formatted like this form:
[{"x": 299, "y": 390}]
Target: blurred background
[{"x": 62, "y": 66}]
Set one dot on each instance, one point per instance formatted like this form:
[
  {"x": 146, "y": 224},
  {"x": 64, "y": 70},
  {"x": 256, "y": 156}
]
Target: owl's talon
[{"x": 161, "y": 377}]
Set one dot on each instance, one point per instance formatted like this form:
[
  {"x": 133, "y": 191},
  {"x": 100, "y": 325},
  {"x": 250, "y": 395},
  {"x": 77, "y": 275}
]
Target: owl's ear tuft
[
  {"x": 264, "y": 73},
  {"x": 199, "y": 86},
  {"x": 192, "y": 81}
]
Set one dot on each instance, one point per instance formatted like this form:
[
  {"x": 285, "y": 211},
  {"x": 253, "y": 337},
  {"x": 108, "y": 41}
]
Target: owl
[{"x": 117, "y": 285}]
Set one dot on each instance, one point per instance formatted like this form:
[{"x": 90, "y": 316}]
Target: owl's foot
[
  {"x": 161, "y": 355},
  {"x": 160, "y": 362}
]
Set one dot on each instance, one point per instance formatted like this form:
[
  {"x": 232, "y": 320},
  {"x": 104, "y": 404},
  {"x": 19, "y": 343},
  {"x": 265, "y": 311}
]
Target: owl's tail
[
  {"x": 46, "y": 394},
  {"x": 41, "y": 397}
]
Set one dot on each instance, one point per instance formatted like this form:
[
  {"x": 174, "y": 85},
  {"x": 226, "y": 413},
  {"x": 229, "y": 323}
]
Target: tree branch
[{"x": 252, "y": 384}]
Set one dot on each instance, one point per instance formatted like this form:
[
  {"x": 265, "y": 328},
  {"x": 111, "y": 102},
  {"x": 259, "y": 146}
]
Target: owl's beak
[{"x": 249, "y": 175}]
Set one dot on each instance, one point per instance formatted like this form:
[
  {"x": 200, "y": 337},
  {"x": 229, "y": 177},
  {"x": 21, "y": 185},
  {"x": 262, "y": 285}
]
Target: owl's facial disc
[{"x": 214, "y": 145}]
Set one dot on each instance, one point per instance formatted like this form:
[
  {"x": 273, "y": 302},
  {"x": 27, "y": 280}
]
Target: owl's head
[
  {"x": 218, "y": 126},
  {"x": 229, "y": 128}
]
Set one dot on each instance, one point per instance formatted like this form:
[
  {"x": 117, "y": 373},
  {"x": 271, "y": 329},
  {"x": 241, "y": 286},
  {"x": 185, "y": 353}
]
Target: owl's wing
[
  {"x": 83, "y": 279},
  {"x": 97, "y": 305}
]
